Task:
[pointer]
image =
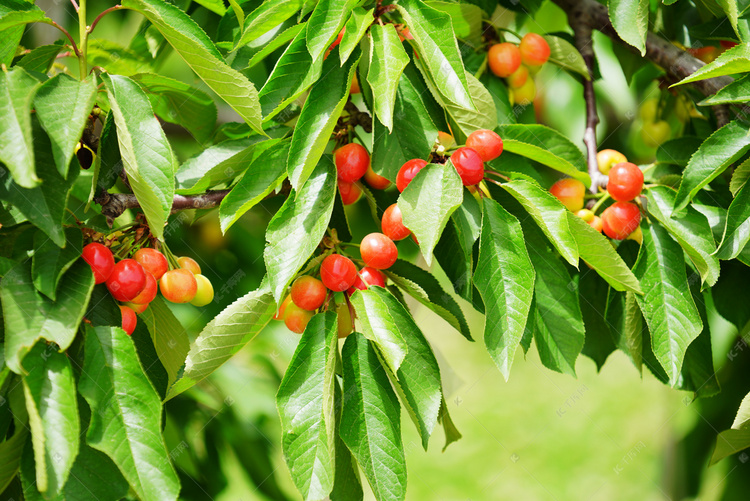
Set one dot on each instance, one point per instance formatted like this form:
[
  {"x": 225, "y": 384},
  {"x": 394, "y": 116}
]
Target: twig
[
  {"x": 357, "y": 117},
  {"x": 75, "y": 4},
  {"x": 65, "y": 32},
  {"x": 103, "y": 13}
]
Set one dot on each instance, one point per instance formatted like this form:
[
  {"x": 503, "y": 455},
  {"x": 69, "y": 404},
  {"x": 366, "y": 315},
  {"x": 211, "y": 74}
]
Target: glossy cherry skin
[
  {"x": 625, "y": 182},
  {"x": 350, "y": 192},
  {"x": 606, "y": 159},
  {"x": 504, "y": 59},
  {"x": 534, "y": 49},
  {"x": 152, "y": 261},
  {"x": 488, "y": 144},
  {"x": 392, "y": 224},
  {"x": 407, "y": 172},
  {"x": 149, "y": 291},
  {"x": 620, "y": 220},
  {"x": 378, "y": 251},
  {"x": 127, "y": 280},
  {"x": 352, "y": 161},
  {"x": 308, "y": 293},
  {"x": 596, "y": 223},
  {"x": 570, "y": 192},
  {"x": 525, "y": 94},
  {"x": 138, "y": 308},
  {"x": 100, "y": 259},
  {"x": 129, "y": 320},
  {"x": 280, "y": 312},
  {"x": 178, "y": 286},
  {"x": 189, "y": 263},
  {"x": 371, "y": 276},
  {"x": 344, "y": 320},
  {"x": 296, "y": 318},
  {"x": 204, "y": 294},
  {"x": 518, "y": 77},
  {"x": 469, "y": 166},
  {"x": 338, "y": 272},
  {"x": 375, "y": 180}
]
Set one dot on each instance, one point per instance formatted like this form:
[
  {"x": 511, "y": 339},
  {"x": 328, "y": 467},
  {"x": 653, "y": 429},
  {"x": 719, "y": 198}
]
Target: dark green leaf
[
  {"x": 169, "y": 337},
  {"x": 10, "y": 456},
  {"x": 630, "y": 20},
  {"x": 387, "y": 61},
  {"x": 63, "y": 105},
  {"x": 370, "y": 420},
  {"x": 737, "y": 230},
  {"x": 678, "y": 151},
  {"x": 108, "y": 163},
  {"x": 346, "y": 486},
  {"x": 17, "y": 12},
  {"x": 297, "y": 228},
  {"x": 17, "y": 89},
  {"x": 41, "y": 58},
  {"x": 504, "y": 277},
  {"x": 736, "y": 92},
  {"x": 626, "y": 325},
  {"x": 50, "y": 261},
  {"x": 593, "y": 300},
  {"x": 126, "y": 414},
  {"x": 737, "y": 437},
  {"x": 280, "y": 40}
]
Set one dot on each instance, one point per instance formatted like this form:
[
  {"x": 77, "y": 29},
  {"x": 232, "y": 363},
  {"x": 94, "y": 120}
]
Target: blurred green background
[{"x": 612, "y": 435}]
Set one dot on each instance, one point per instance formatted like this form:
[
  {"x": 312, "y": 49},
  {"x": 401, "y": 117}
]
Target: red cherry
[
  {"x": 338, "y": 272},
  {"x": 308, "y": 293},
  {"x": 100, "y": 259},
  {"x": 178, "y": 286},
  {"x": 127, "y": 280},
  {"x": 407, "y": 172},
  {"x": 727, "y": 44},
  {"x": 280, "y": 313},
  {"x": 352, "y": 161},
  {"x": 129, "y": 320},
  {"x": 534, "y": 49},
  {"x": 485, "y": 142},
  {"x": 596, "y": 223},
  {"x": 371, "y": 276},
  {"x": 378, "y": 251},
  {"x": 338, "y": 38},
  {"x": 152, "y": 261},
  {"x": 138, "y": 308},
  {"x": 620, "y": 220},
  {"x": 625, "y": 181},
  {"x": 296, "y": 318},
  {"x": 393, "y": 224},
  {"x": 350, "y": 192},
  {"x": 469, "y": 165},
  {"x": 375, "y": 180},
  {"x": 504, "y": 59},
  {"x": 570, "y": 192},
  {"x": 149, "y": 291},
  {"x": 189, "y": 263}
]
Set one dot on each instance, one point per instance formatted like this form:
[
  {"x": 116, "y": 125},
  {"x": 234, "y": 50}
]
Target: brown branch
[{"x": 582, "y": 33}]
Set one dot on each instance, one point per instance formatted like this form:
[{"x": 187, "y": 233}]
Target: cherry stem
[
  {"x": 601, "y": 201},
  {"x": 506, "y": 30},
  {"x": 101, "y": 15},
  {"x": 495, "y": 173},
  {"x": 67, "y": 34}
]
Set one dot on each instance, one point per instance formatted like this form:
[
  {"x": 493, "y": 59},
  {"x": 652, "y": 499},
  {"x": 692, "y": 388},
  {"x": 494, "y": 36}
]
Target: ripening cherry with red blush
[
  {"x": 296, "y": 318},
  {"x": 338, "y": 272},
  {"x": 149, "y": 291},
  {"x": 152, "y": 261},
  {"x": 408, "y": 171},
  {"x": 620, "y": 220},
  {"x": 504, "y": 59},
  {"x": 378, "y": 251},
  {"x": 625, "y": 182},
  {"x": 308, "y": 293},
  {"x": 469, "y": 166},
  {"x": 570, "y": 192},
  {"x": 129, "y": 320},
  {"x": 127, "y": 280},
  {"x": 392, "y": 224},
  {"x": 375, "y": 180},
  {"x": 488, "y": 144},
  {"x": 367, "y": 277},
  {"x": 352, "y": 161},
  {"x": 178, "y": 285},
  {"x": 350, "y": 192},
  {"x": 100, "y": 259}
]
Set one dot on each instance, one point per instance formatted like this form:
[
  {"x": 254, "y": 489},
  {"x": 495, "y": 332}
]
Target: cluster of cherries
[
  {"x": 133, "y": 281},
  {"x": 518, "y": 63},
  {"x": 620, "y": 220}
]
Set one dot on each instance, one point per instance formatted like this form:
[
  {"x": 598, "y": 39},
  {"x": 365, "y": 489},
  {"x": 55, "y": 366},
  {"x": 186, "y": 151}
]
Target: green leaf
[
  {"x": 280, "y": 40},
  {"x": 179, "y": 103},
  {"x": 370, "y": 419},
  {"x": 731, "y": 61},
  {"x": 63, "y": 105},
  {"x": 108, "y": 162},
  {"x": 262, "y": 176},
  {"x": 325, "y": 23},
  {"x": 436, "y": 44},
  {"x": 355, "y": 27},
  {"x": 29, "y": 316},
  {"x": 417, "y": 380},
  {"x": 169, "y": 336},
  {"x": 598, "y": 343},
  {"x": 546, "y": 146},
  {"x": 428, "y": 202},
  {"x": 718, "y": 152},
  {"x": 413, "y": 132},
  {"x": 10, "y": 456},
  {"x": 215, "y": 6},
  {"x": 379, "y": 326},
  {"x": 194, "y": 46},
  {"x": 267, "y": 16},
  {"x": 51, "y": 402},
  {"x": 597, "y": 251},
  {"x": 296, "y": 229},
  {"x": 50, "y": 261},
  {"x": 559, "y": 331},
  {"x": 737, "y": 230},
  {"x": 17, "y": 89},
  {"x": 739, "y": 177},
  {"x": 549, "y": 214},
  {"x": 692, "y": 232},
  {"x": 731, "y": 10},
  {"x": 116, "y": 59},
  {"x": 147, "y": 157},
  {"x": 566, "y": 56},
  {"x": 451, "y": 432},
  {"x": 18, "y": 12},
  {"x": 667, "y": 306},
  {"x": 678, "y": 151},
  {"x": 318, "y": 118},
  {"x": 305, "y": 401},
  {"x": 229, "y": 331},
  {"x": 504, "y": 277},
  {"x": 466, "y": 19},
  {"x": 626, "y": 325},
  {"x": 346, "y": 486},
  {"x": 294, "y": 73},
  {"x": 387, "y": 61},
  {"x": 737, "y": 437},
  {"x": 736, "y": 92},
  {"x": 630, "y": 21},
  {"x": 126, "y": 414},
  {"x": 41, "y": 58},
  {"x": 425, "y": 288}
]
